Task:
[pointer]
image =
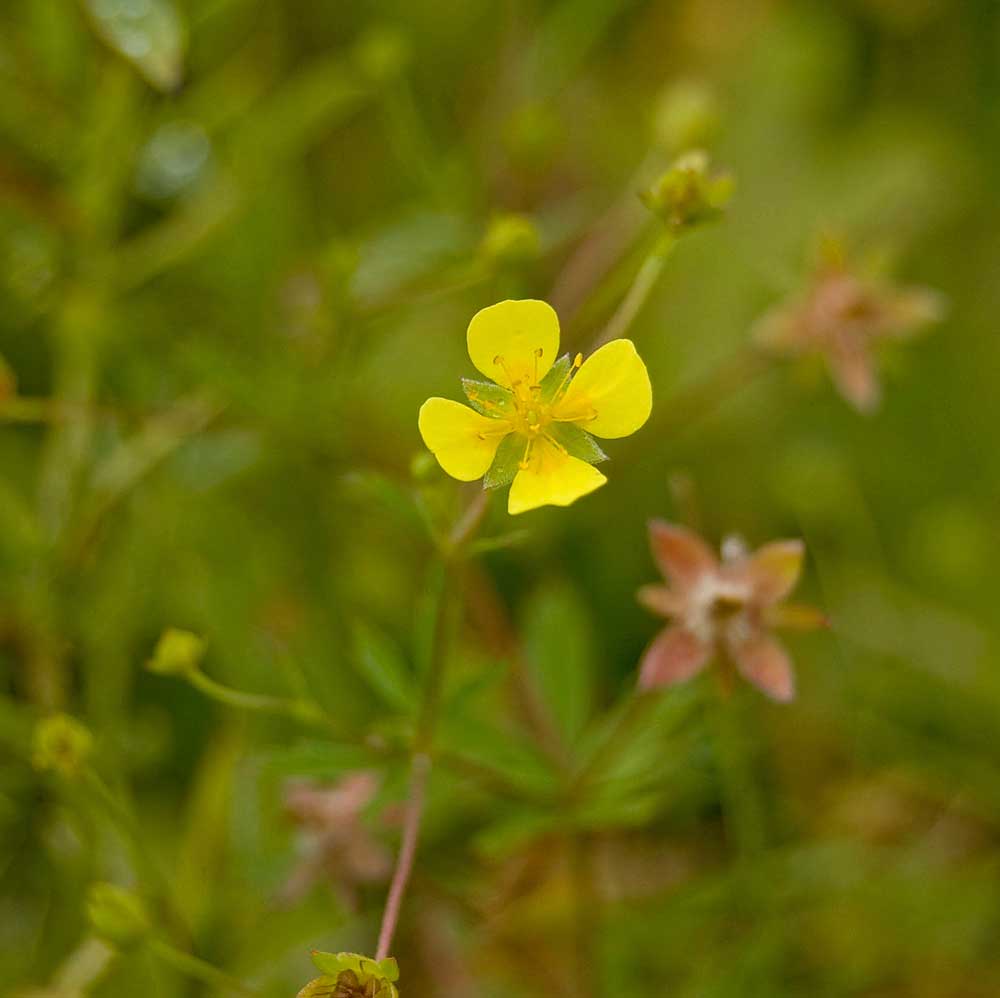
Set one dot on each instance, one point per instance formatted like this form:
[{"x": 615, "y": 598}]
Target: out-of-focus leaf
[
  {"x": 381, "y": 663},
  {"x": 148, "y": 33},
  {"x": 559, "y": 643}
]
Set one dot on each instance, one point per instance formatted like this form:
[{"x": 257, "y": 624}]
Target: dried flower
[
  {"x": 723, "y": 608},
  {"x": 842, "y": 317},
  {"x": 533, "y": 427},
  {"x": 334, "y": 844},
  {"x": 351, "y": 975}
]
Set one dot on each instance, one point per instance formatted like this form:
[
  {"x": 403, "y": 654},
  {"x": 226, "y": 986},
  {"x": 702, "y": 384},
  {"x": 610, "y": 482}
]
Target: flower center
[
  {"x": 533, "y": 400},
  {"x": 349, "y": 986}
]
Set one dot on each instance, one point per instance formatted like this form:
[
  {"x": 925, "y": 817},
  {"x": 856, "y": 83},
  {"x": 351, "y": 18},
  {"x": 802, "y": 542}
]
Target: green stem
[
  {"x": 300, "y": 710},
  {"x": 639, "y": 291},
  {"x": 199, "y": 969}
]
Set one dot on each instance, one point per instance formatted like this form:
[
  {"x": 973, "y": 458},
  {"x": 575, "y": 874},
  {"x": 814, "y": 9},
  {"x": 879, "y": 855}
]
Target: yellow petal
[
  {"x": 514, "y": 341},
  {"x": 463, "y": 442},
  {"x": 611, "y": 395},
  {"x": 552, "y": 478}
]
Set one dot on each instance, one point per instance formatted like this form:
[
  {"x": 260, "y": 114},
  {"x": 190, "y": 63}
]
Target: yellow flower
[{"x": 532, "y": 426}]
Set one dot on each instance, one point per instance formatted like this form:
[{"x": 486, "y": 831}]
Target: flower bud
[
  {"x": 511, "y": 240},
  {"x": 61, "y": 743},
  {"x": 688, "y": 194},
  {"x": 382, "y": 54},
  {"x": 686, "y": 117},
  {"x": 116, "y": 915},
  {"x": 177, "y": 653}
]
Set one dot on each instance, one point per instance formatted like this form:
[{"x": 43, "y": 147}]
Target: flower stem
[
  {"x": 199, "y": 969},
  {"x": 423, "y": 739},
  {"x": 639, "y": 291},
  {"x": 301, "y": 710}
]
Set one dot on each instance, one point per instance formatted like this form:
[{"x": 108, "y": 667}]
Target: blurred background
[{"x": 240, "y": 243}]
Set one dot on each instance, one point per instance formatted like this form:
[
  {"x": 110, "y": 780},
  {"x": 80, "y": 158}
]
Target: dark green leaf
[
  {"x": 505, "y": 464},
  {"x": 487, "y": 398},
  {"x": 559, "y": 641},
  {"x": 383, "y": 666}
]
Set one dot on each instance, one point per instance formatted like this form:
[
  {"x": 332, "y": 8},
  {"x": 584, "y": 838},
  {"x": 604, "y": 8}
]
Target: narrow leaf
[{"x": 383, "y": 666}]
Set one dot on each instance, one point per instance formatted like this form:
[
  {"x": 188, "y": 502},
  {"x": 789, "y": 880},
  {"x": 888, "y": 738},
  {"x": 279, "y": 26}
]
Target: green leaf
[
  {"x": 559, "y": 642},
  {"x": 389, "y": 968},
  {"x": 577, "y": 442},
  {"x": 554, "y": 378},
  {"x": 507, "y": 461},
  {"x": 488, "y": 399},
  {"x": 381, "y": 663},
  {"x": 150, "y": 35}
]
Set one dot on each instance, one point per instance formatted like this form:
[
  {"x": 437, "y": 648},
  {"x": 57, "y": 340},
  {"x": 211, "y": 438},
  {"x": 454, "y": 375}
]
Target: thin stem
[
  {"x": 420, "y": 769},
  {"x": 420, "y": 764},
  {"x": 301, "y": 710},
  {"x": 639, "y": 291},
  {"x": 199, "y": 969}
]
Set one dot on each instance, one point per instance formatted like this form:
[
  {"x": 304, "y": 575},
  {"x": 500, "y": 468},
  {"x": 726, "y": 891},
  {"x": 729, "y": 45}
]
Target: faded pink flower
[
  {"x": 843, "y": 317},
  {"x": 723, "y": 608},
  {"x": 334, "y": 844}
]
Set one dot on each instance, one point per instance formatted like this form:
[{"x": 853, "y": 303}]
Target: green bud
[
  {"x": 688, "y": 194},
  {"x": 116, "y": 915},
  {"x": 686, "y": 117},
  {"x": 177, "y": 653},
  {"x": 423, "y": 466},
  {"x": 382, "y": 54},
  {"x": 61, "y": 743},
  {"x": 351, "y": 975},
  {"x": 511, "y": 239}
]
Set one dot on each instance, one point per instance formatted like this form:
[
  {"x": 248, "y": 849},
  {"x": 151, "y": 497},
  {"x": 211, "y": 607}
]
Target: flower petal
[
  {"x": 853, "y": 372},
  {"x": 463, "y": 442},
  {"x": 611, "y": 395},
  {"x": 551, "y": 478},
  {"x": 763, "y": 661},
  {"x": 682, "y": 556},
  {"x": 774, "y": 570},
  {"x": 661, "y": 600},
  {"x": 675, "y": 655},
  {"x": 514, "y": 341}
]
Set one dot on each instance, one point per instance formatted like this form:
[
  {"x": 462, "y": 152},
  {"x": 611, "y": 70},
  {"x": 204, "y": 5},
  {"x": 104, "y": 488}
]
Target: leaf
[
  {"x": 507, "y": 461},
  {"x": 380, "y": 662},
  {"x": 487, "y": 398},
  {"x": 149, "y": 34},
  {"x": 577, "y": 442},
  {"x": 554, "y": 378},
  {"x": 559, "y": 642}
]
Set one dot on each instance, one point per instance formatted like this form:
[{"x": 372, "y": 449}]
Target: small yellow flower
[{"x": 532, "y": 426}]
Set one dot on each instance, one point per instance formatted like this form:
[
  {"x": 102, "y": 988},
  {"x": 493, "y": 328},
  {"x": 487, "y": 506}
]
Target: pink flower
[
  {"x": 843, "y": 317},
  {"x": 334, "y": 844},
  {"x": 723, "y": 608}
]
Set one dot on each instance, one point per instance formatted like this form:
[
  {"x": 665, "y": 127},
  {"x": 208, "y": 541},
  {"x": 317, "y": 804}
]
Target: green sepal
[
  {"x": 320, "y": 987},
  {"x": 554, "y": 378},
  {"x": 506, "y": 461},
  {"x": 488, "y": 399},
  {"x": 577, "y": 442},
  {"x": 390, "y": 969}
]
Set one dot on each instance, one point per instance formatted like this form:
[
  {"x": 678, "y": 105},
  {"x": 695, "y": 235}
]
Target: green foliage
[{"x": 240, "y": 243}]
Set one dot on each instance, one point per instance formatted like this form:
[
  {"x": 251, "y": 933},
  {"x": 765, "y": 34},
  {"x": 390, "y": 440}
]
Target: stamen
[
  {"x": 523, "y": 463},
  {"x": 538, "y": 355}
]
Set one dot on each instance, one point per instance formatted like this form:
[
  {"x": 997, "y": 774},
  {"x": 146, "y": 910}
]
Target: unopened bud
[
  {"x": 511, "y": 239},
  {"x": 177, "y": 653}
]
